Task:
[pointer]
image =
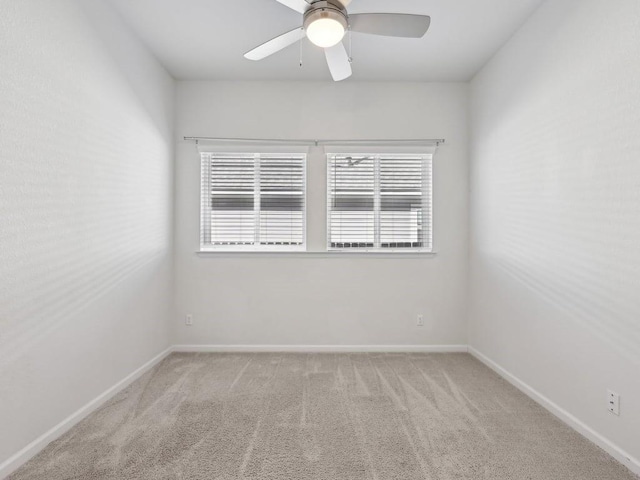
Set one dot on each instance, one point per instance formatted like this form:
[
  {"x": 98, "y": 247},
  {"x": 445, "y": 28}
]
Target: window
[
  {"x": 379, "y": 202},
  {"x": 253, "y": 202}
]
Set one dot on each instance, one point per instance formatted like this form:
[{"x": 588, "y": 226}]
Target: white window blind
[
  {"x": 253, "y": 202},
  {"x": 379, "y": 202}
]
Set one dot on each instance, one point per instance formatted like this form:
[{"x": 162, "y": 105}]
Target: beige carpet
[{"x": 329, "y": 417}]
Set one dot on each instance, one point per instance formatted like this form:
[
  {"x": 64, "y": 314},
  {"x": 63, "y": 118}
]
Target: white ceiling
[{"x": 206, "y": 39}]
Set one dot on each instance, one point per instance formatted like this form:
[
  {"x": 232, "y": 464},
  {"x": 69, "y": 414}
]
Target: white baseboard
[
  {"x": 321, "y": 348},
  {"x": 27, "y": 453},
  {"x": 612, "y": 449}
]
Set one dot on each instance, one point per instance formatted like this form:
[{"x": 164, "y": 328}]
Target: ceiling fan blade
[
  {"x": 276, "y": 44},
  {"x": 390, "y": 24},
  {"x": 299, "y": 6},
  {"x": 338, "y": 62}
]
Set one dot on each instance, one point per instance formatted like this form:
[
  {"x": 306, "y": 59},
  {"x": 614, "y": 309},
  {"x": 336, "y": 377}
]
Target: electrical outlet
[
  {"x": 420, "y": 321},
  {"x": 188, "y": 320},
  {"x": 613, "y": 402}
]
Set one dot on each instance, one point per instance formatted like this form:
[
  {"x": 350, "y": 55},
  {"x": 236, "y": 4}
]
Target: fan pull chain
[
  {"x": 350, "y": 47},
  {"x": 300, "y": 42}
]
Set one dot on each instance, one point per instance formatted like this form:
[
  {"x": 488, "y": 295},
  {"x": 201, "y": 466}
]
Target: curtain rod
[{"x": 317, "y": 143}]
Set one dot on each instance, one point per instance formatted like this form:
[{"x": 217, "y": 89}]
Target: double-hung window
[
  {"x": 253, "y": 202},
  {"x": 379, "y": 202}
]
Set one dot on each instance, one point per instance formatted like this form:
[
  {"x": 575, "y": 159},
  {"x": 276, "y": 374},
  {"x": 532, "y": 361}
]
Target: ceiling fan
[{"x": 325, "y": 23}]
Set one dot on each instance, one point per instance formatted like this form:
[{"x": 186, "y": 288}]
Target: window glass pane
[
  {"x": 379, "y": 202},
  {"x": 351, "y": 202},
  {"x": 232, "y": 200},
  {"x": 253, "y": 201},
  {"x": 401, "y": 202},
  {"x": 282, "y": 183}
]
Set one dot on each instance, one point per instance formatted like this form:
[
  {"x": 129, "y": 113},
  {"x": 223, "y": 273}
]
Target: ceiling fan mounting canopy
[{"x": 325, "y": 23}]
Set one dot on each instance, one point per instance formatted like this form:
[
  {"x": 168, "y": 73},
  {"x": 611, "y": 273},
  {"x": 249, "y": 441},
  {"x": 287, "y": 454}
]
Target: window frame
[
  {"x": 257, "y": 154},
  {"x": 427, "y": 204}
]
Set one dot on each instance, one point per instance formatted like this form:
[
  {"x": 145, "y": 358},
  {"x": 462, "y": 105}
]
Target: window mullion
[
  {"x": 331, "y": 178},
  {"x": 377, "y": 202},
  {"x": 206, "y": 199},
  {"x": 427, "y": 203},
  {"x": 256, "y": 200}
]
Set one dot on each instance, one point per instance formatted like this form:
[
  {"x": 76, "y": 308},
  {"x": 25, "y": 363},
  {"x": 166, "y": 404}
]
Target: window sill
[{"x": 318, "y": 254}]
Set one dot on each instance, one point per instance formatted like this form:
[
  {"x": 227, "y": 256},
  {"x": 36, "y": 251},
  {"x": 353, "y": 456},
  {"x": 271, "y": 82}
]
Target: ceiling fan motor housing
[{"x": 326, "y": 9}]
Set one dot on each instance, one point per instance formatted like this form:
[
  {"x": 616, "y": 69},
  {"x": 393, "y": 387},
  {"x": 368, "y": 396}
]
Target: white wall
[
  {"x": 555, "y": 210},
  {"x": 318, "y": 299},
  {"x": 86, "y": 153}
]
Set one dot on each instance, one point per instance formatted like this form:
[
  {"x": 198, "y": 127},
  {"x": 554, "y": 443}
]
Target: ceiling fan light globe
[{"x": 325, "y": 32}]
